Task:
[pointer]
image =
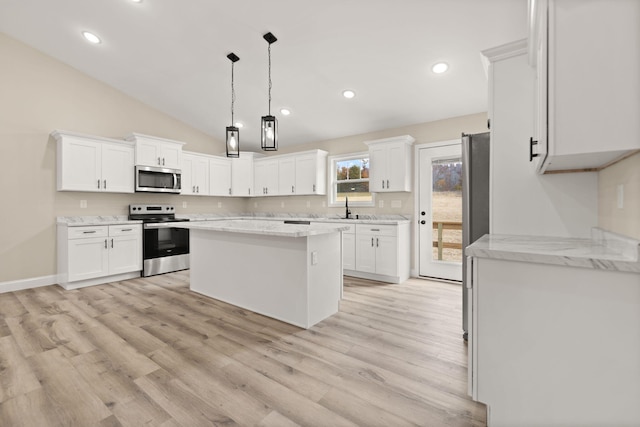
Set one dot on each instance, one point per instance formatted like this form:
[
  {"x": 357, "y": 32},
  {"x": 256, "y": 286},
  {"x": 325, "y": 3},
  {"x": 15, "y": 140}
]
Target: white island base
[{"x": 297, "y": 280}]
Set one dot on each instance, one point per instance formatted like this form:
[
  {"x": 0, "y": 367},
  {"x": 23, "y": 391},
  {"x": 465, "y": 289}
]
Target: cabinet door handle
[
  {"x": 98, "y": 183},
  {"x": 531, "y": 144},
  {"x": 88, "y": 232},
  {"x": 229, "y": 190},
  {"x": 163, "y": 161},
  {"x": 383, "y": 183},
  {"x": 292, "y": 188},
  {"x": 249, "y": 191},
  {"x": 387, "y": 184},
  {"x": 111, "y": 243},
  {"x": 105, "y": 184},
  {"x": 105, "y": 243},
  {"x": 372, "y": 242},
  {"x": 193, "y": 188},
  {"x": 158, "y": 161},
  {"x": 377, "y": 242},
  {"x": 314, "y": 188},
  {"x": 197, "y": 189}
]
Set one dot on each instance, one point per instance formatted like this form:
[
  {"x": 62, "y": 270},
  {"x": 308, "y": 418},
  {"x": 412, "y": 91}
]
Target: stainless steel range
[{"x": 163, "y": 249}]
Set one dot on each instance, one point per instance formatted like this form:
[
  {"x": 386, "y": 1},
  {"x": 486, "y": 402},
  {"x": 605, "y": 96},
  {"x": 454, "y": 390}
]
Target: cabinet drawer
[
  {"x": 88, "y": 232},
  {"x": 124, "y": 229},
  {"x": 380, "y": 230}
]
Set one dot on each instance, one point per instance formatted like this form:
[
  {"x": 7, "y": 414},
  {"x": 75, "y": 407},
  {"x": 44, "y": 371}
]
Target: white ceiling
[{"x": 171, "y": 54}]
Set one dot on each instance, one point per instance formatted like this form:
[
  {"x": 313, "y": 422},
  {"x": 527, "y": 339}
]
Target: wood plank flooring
[{"x": 148, "y": 352}]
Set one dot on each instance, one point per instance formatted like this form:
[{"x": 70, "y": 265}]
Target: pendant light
[
  {"x": 269, "y": 124},
  {"x": 233, "y": 133}
]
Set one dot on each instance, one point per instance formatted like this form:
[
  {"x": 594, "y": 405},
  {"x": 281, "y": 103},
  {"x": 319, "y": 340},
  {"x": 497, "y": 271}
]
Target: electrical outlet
[
  {"x": 381, "y": 203},
  {"x": 314, "y": 257},
  {"x": 83, "y": 204},
  {"x": 184, "y": 205}
]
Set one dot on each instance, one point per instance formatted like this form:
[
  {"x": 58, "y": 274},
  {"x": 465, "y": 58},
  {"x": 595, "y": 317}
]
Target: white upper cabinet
[
  {"x": 242, "y": 174},
  {"x": 390, "y": 164},
  {"x": 195, "y": 174},
  {"x": 219, "y": 176},
  {"x": 287, "y": 176},
  {"x": 588, "y": 80},
  {"x": 266, "y": 177},
  {"x": 87, "y": 163},
  {"x": 311, "y": 172},
  {"x": 303, "y": 173},
  {"x": 154, "y": 151}
]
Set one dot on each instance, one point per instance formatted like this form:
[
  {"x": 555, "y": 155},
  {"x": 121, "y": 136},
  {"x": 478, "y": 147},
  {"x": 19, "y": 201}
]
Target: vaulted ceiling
[{"x": 172, "y": 55}]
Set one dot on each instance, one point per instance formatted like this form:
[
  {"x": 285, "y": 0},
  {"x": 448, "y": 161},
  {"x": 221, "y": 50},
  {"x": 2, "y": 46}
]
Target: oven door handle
[{"x": 175, "y": 181}]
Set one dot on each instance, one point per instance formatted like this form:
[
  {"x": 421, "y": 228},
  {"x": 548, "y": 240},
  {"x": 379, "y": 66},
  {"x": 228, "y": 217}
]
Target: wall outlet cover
[
  {"x": 184, "y": 205},
  {"x": 381, "y": 203},
  {"x": 83, "y": 204}
]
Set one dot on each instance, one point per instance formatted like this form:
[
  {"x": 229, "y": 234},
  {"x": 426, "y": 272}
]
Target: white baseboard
[{"x": 34, "y": 282}]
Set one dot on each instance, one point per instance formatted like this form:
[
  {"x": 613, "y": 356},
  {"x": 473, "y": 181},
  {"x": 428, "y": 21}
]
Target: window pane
[
  {"x": 356, "y": 191},
  {"x": 447, "y": 210},
  {"x": 352, "y": 169}
]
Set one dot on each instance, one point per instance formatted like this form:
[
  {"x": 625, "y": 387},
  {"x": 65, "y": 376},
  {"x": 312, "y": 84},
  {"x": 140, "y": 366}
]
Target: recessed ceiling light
[
  {"x": 348, "y": 94},
  {"x": 285, "y": 112},
  {"x": 90, "y": 37},
  {"x": 440, "y": 67},
  {"x": 238, "y": 125},
  {"x": 137, "y": 1}
]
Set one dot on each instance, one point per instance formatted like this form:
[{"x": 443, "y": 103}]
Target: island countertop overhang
[{"x": 259, "y": 227}]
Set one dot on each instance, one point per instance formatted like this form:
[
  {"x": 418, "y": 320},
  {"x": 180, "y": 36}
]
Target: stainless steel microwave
[{"x": 152, "y": 179}]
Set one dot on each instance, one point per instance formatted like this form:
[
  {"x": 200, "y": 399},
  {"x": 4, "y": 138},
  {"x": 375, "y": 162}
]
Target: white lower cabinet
[
  {"x": 89, "y": 255},
  {"x": 349, "y": 249},
  {"x": 376, "y": 252},
  {"x": 377, "y": 249}
]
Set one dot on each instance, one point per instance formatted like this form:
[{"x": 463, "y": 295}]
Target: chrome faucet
[{"x": 346, "y": 206}]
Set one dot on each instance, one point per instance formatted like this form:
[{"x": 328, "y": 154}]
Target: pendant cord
[
  {"x": 233, "y": 93},
  {"x": 269, "y": 78}
]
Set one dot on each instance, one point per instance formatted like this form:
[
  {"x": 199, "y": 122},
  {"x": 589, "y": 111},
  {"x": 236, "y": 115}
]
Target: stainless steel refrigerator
[{"x": 475, "y": 202}]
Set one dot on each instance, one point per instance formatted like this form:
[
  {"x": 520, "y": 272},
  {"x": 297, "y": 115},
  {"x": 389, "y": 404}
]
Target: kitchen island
[{"x": 288, "y": 271}]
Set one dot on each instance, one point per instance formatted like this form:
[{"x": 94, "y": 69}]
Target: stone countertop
[
  {"x": 257, "y": 226},
  {"x": 81, "y": 221},
  {"x": 603, "y": 251},
  {"x": 364, "y": 219}
]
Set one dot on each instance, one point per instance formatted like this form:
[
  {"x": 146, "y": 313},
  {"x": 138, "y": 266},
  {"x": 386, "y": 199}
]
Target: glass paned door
[{"x": 440, "y": 212}]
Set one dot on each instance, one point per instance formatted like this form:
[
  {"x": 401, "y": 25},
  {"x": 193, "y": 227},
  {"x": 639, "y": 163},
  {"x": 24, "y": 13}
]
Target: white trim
[
  {"x": 33, "y": 282},
  {"x": 100, "y": 280},
  {"x": 506, "y": 51},
  {"x": 331, "y": 173},
  {"x": 416, "y": 196}
]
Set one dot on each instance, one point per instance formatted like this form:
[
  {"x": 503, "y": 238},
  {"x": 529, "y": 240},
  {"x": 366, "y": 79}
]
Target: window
[{"x": 349, "y": 175}]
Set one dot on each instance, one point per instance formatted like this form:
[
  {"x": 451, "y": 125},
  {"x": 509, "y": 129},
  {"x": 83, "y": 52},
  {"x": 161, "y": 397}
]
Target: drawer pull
[
  {"x": 89, "y": 232},
  {"x": 127, "y": 229},
  {"x": 375, "y": 229}
]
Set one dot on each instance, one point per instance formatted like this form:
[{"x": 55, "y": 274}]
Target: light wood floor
[{"x": 149, "y": 352}]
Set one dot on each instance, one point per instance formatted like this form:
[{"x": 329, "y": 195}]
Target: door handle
[
  {"x": 372, "y": 242},
  {"x": 105, "y": 243},
  {"x": 387, "y": 183},
  {"x": 163, "y": 161},
  {"x": 531, "y": 144},
  {"x": 292, "y": 189},
  {"x": 423, "y": 213},
  {"x": 111, "y": 243},
  {"x": 423, "y": 222},
  {"x": 105, "y": 184},
  {"x": 98, "y": 183},
  {"x": 158, "y": 161},
  {"x": 197, "y": 189},
  {"x": 383, "y": 183},
  {"x": 377, "y": 245}
]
